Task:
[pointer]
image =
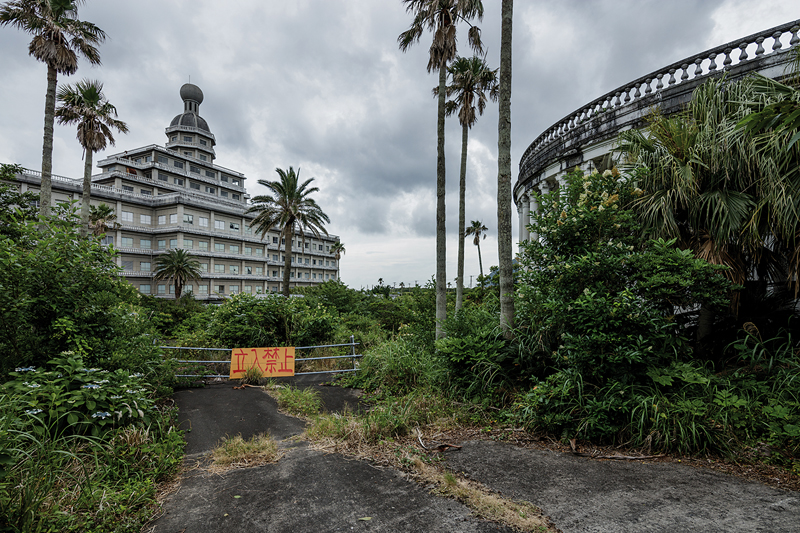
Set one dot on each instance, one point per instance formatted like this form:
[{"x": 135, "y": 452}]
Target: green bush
[{"x": 70, "y": 398}]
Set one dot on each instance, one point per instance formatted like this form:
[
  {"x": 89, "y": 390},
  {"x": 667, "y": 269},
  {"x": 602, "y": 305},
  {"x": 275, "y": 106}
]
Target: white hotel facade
[{"x": 176, "y": 197}]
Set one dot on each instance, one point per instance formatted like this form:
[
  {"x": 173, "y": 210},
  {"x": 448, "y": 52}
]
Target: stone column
[
  {"x": 521, "y": 225},
  {"x": 534, "y": 205},
  {"x": 526, "y": 217}
]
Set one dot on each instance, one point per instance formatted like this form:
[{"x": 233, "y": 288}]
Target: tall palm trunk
[
  {"x": 480, "y": 262},
  {"x": 504, "y": 175},
  {"x": 288, "y": 235},
  {"x": 462, "y": 192},
  {"x": 87, "y": 192},
  {"x": 47, "y": 146},
  {"x": 441, "y": 234}
]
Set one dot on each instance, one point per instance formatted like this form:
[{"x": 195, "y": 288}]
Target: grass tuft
[
  {"x": 235, "y": 452},
  {"x": 302, "y": 403}
]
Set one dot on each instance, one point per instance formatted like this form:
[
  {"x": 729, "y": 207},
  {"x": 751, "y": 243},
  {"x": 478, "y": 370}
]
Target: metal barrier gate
[{"x": 352, "y": 356}]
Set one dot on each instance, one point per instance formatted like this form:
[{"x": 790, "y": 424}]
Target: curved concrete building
[{"x": 585, "y": 137}]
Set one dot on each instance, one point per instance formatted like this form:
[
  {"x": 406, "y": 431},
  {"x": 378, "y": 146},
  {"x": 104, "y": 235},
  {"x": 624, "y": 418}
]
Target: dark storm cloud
[{"x": 321, "y": 85}]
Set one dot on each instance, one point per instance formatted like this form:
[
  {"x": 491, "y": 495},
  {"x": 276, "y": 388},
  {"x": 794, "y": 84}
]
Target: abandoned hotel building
[{"x": 176, "y": 197}]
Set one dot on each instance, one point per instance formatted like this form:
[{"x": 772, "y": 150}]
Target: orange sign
[{"x": 272, "y": 362}]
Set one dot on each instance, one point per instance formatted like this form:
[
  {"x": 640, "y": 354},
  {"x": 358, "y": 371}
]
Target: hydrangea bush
[{"x": 67, "y": 396}]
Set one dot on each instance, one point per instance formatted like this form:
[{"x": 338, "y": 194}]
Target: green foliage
[
  {"x": 15, "y": 208},
  {"x": 70, "y": 398},
  {"x": 296, "y": 401},
  {"x": 270, "y": 320},
  {"x": 60, "y": 293}
]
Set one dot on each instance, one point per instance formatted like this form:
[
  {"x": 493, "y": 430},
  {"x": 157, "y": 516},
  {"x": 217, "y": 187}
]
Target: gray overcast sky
[{"x": 321, "y": 85}]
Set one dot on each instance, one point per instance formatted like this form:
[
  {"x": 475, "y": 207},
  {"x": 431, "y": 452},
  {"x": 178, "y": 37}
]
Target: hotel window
[
  {"x": 221, "y": 289},
  {"x": 236, "y": 197},
  {"x": 202, "y": 245},
  {"x": 203, "y": 142},
  {"x": 126, "y": 242},
  {"x": 194, "y": 169},
  {"x": 203, "y": 222},
  {"x": 127, "y": 216},
  {"x": 259, "y": 252},
  {"x": 248, "y": 289},
  {"x": 144, "y": 266},
  {"x": 173, "y": 243},
  {"x": 202, "y": 289},
  {"x": 173, "y": 218},
  {"x": 248, "y": 270},
  {"x": 235, "y": 181},
  {"x": 188, "y": 219},
  {"x": 307, "y": 245},
  {"x": 233, "y": 269},
  {"x": 234, "y": 226},
  {"x": 162, "y": 245},
  {"x": 224, "y": 194},
  {"x": 223, "y": 178},
  {"x": 259, "y": 271},
  {"x": 127, "y": 265},
  {"x": 313, "y": 261},
  {"x": 219, "y": 224},
  {"x": 162, "y": 176},
  {"x": 145, "y": 243},
  {"x": 313, "y": 276},
  {"x": 234, "y": 289},
  {"x": 187, "y": 289},
  {"x": 162, "y": 289},
  {"x": 307, "y": 275},
  {"x": 187, "y": 139},
  {"x": 333, "y": 263},
  {"x": 147, "y": 159},
  {"x": 162, "y": 219},
  {"x": 188, "y": 244},
  {"x": 174, "y": 138},
  {"x": 163, "y": 159},
  {"x": 291, "y": 274},
  {"x": 234, "y": 248},
  {"x": 144, "y": 289},
  {"x": 177, "y": 164},
  {"x": 275, "y": 240},
  {"x": 274, "y": 273},
  {"x": 306, "y": 260},
  {"x": 193, "y": 185},
  {"x": 188, "y": 154},
  {"x": 203, "y": 267},
  {"x": 219, "y": 247},
  {"x": 145, "y": 192},
  {"x": 202, "y": 158},
  {"x": 274, "y": 257},
  {"x": 211, "y": 190},
  {"x": 178, "y": 181},
  {"x": 145, "y": 219},
  {"x": 210, "y": 174},
  {"x": 327, "y": 263},
  {"x": 219, "y": 269},
  {"x": 248, "y": 250}
]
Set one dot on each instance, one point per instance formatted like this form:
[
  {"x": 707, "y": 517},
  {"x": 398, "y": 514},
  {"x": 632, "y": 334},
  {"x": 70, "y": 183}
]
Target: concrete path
[
  {"x": 310, "y": 491},
  {"x": 588, "y": 495},
  {"x": 305, "y": 491}
]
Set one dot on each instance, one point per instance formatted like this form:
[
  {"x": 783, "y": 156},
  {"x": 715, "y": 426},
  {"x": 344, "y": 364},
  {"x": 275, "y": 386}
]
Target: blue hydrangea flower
[
  {"x": 101, "y": 414},
  {"x": 91, "y": 386},
  {"x": 33, "y": 411},
  {"x": 25, "y": 369},
  {"x": 32, "y": 385},
  {"x": 116, "y": 397}
]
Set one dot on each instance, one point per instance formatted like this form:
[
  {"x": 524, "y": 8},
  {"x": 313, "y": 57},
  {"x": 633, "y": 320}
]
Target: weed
[
  {"x": 235, "y": 452},
  {"x": 298, "y": 402}
]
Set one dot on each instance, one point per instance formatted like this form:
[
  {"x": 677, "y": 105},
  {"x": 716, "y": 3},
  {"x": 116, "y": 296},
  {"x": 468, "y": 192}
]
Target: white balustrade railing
[{"x": 729, "y": 55}]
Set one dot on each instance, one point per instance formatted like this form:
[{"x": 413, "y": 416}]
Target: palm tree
[
  {"x": 440, "y": 17},
  {"x": 504, "y": 238},
  {"x": 472, "y": 79},
  {"x": 725, "y": 194},
  {"x": 179, "y": 266},
  {"x": 58, "y": 39},
  {"x": 102, "y": 218},
  {"x": 337, "y": 250},
  {"x": 86, "y": 105},
  {"x": 476, "y": 230},
  {"x": 289, "y": 205}
]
